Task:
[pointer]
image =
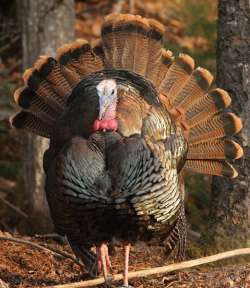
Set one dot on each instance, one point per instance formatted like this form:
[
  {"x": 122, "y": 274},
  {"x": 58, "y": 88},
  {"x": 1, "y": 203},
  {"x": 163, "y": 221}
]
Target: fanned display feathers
[{"x": 130, "y": 42}]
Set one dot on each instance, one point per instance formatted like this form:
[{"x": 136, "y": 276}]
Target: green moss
[{"x": 9, "y": 170}]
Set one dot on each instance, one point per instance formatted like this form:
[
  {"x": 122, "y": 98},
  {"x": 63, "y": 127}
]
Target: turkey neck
[{"x": 110, "y": 113}]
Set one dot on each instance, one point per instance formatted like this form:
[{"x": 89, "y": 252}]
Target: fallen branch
[
  {"x": 3, "y": 284},
  {"x": 158, "y": 270},
  {"x": 13, "y": 207},
  {"x": 50, "y": 250},
  {"x": 53, "y": 236}
]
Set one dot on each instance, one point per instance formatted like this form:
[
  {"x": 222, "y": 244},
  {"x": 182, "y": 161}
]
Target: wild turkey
[{"x": 124, "y": 118}]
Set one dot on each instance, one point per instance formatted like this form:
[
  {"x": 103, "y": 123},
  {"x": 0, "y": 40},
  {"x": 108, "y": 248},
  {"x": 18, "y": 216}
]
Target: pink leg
[
  {"x": 107, "y": 258},
  {"x": 104, "y": 263},
  {"x": 126, "y": 250}
]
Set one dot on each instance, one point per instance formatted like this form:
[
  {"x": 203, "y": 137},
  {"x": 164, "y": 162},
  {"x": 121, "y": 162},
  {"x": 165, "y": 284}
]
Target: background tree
[
  {"x": 46, "y": 25},
  {"x": 230, "y": 209}
]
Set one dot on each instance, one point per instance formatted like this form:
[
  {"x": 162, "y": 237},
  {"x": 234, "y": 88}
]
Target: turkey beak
[{"x": 102, "y": 111}]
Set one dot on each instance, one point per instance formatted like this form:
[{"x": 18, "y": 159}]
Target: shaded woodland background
[{"x": 217, "y": 210}]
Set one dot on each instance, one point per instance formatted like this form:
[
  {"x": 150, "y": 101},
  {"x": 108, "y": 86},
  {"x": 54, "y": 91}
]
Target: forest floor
[{"x": 22, "y": 265}]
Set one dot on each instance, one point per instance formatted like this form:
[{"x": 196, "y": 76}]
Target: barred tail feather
[
  {"x": 178, "y": 73},
  {"x": 217, "y": 127},
  {"x": 26, "y": 120},
  {"x": 29, "y": 100},
  {"x": 215, "y": 149},
  {"x": 211, "y": 167},
  {"x": 208, "y": 105}
]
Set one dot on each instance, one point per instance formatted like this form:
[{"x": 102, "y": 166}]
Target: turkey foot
[
  {"x": 104, "y": 263},
  {"x": 126, "y": 247}
]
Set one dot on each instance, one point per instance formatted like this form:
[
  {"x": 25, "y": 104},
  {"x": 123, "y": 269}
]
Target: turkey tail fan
[
  {"x": 50, "y": 82},
  {"x": 184, "y": 91},
  {"x": 130, "y": 42},
  {"x": 133, "y": 43}
]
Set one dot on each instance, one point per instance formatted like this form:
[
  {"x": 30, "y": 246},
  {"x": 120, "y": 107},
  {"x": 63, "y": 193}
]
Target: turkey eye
[{"x": 112, "y": 92}]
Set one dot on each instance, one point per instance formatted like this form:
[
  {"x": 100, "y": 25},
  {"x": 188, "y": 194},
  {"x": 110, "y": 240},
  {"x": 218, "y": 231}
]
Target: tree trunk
[
  {"x": 230, "y": 208},
  {"x": 46, "y": 25}
]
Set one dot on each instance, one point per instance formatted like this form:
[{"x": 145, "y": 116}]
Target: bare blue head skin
[{"x": 107, "y": 92}]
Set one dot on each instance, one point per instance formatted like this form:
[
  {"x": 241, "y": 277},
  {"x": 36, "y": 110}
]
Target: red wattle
[
  {"x": 105, "y": 124},
  {"x": 113, "y": 124}
]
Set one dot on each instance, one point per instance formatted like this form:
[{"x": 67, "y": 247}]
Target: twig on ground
[
  {"x": 158, "y": 270},
  {"x": 51, "y": 236},
  {"x": 13, "y": 207},
  {"x": 50, "y": 250},
  {"x": 3, "y": 284}
]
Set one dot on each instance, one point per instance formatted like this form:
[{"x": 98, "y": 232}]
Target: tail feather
[
  {"x": 72, "y": 76},
  {"x": 87, "y": 61},
  {"x": 217, "y": 149},
  {"x": 193, "y": 89},
  {"x": 27, "y": 99},
  {"x": 26, "y": 120},
  {"x": 141, "y": 55},
  {"x": 98, "y": 54},
  {"x": 208, "y": 105},
  {"x": 219, "y": 168},
  {"x": 108, "y": 38},
  {"x": 166, "y": 61},
  {"x": 79, "y": 58},
  {"x": 176, "y": 76},
  {"x": 217, "y": 127},
  {"x": 133, "y": 43},
  {"x": 50, "y": 70},
  {"x": 43, "y": 88},
  {"x": 125, "y": 42},
  {"x": 155, "y": 35}
]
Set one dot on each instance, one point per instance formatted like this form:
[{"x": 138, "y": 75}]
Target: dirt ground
[{"x": 22, "y": 265}]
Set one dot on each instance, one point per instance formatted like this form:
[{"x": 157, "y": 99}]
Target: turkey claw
[{"x": 109, "y": 281}]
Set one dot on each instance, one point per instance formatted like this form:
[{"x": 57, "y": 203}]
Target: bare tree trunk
[
  {"x": 230, "y": 207},
  {"x": 46, "y": 25}
]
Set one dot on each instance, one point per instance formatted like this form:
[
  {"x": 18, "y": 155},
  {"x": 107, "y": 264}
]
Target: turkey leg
[
  {"x": 126, "y": 247},
  {"x": 104, "y": 264}
]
